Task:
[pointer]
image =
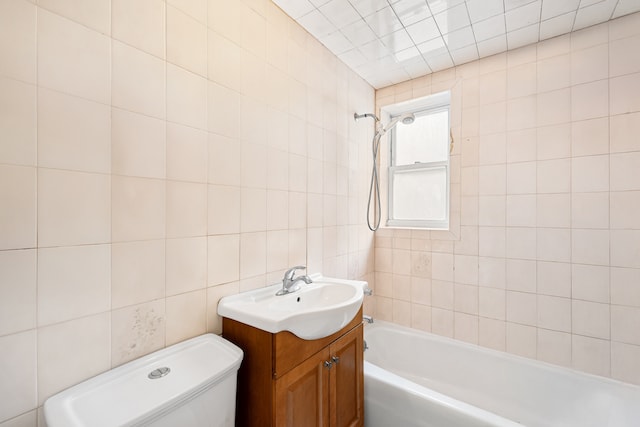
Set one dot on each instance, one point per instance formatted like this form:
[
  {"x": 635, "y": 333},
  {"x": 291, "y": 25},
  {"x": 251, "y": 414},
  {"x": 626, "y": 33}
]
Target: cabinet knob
[
  {"x": 335, "y": 359},
  {"x": 327, "y": 364}
]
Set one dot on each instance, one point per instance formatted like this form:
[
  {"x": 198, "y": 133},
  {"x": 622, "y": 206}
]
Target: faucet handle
[{"x": 292, "y": 271}]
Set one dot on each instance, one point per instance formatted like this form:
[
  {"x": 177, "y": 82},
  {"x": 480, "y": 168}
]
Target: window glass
[
  {"x": 425, "y": 140},
  {"x": 420, "y": 194}
]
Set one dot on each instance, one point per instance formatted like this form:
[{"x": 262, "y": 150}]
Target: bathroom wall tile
[
  {"x": 18, "y": 210},
  {"x": 138, "y": 208},
  {"x": 590, "y": 210},
  {"x": 492, "y": 180},
  {"x": 73, "y": 59},
  {"x": 590, "y": 137},
  {"x": 29, "y": 419},
  {"x": 554, "y": 347},
  {"x": 591, "y": 355},
  {"x": 442, "y": 266},
  {"x": 590, "y": 173},
  {"x": 73, "y": 133},
  {"x": 554, "y": 142},
  {"x": 521, "y": 113},
  {"x": 554, "y": 107},
  {"x": 253, "y": 254},
  {"x": 623, "y": 129},
  {"x": 521, "y": 211},
  {"x": 442, "y": 294},
  {"x": 493, "y": 118},
  {"x": 442, "y": 322},
  {"x": 623, "y": 57},
  {"x": 223, "y": 210},
  {"x": 521, "y": 178},
  {"x": 214, "y": 295},
  {"x": 421, "y": 317},
  {"x": 624, "y": 365},
  {"x": 224, "y": 160},
  {"x": 187, "y": 98},
  {"x": 137, "y": 331},
  {"x": 491, "y": 149},
  {"x": 625, "y": 244},
  {"x": 138, "y": 145},
  {"x": 465, "y": 327},
  {"x": 224, "y": 61},
  {"x": 554, "y": 278},
  {"x": 73, "y": 208},
  {"x": 521, "y": 80},
  {"x": 277, "y": 169},
  {"x": 521, "y": 243},
  {"x": 186, "y": 41},
  {"x": 224, "y": 20},
  {"x": 186, "y": 265},
  {"x": 590, "y": 319},
  {"x": 253, "y": 204},
  {"x": 521, "y": 275},
  {"x": 277, "y": 250},
  {"x": 554, "y": 313},
  {"x": 71, "y": 352},
  {"x": 554, "y": 176},
  {"x": 18, "y": 386},
  {"x": 590, "y": 246},
  {"x": 298, "y": 251},
  {"x": 17, "y": 291},
  {"x": 18, "y": 45},
  {"x": 186, "y": 209},
  {"x": 224, "y": 259},
  {"x": 277, "y": 210},
  {"x": 95, "y": 14},
  {"x": 624, "y": 286},
  {"x": 140, "y": 24},
  {"x": 624, "y": 94},
  {"x": 492, "y": 211},
  {"x": 253, "y": 32},
  {"x": 137, "y": 272},
  {"x": 521, "y": 340},
  {"x": 554, "y": 244},
  {"x": 492, "y": 303},
  {"x": 492, "y": 272},
  {"x": 466, "y": 299},
  {"x": 589, "y": 65},
  {"x": 297, "y": 210},
  {"x": 554, "y": 73},
  {"x": 73, "y": 282},
  {"x": 493, "y": 87},
  {"x": 521, "y": 146},
  {"x": 186, "y": 153},
  {"x": 139, "y": 82},
  {"x": 185, "y": 316},
  {"x": 624, "y": 322},
  {"x": 521, "y": 308},
  {"x": 492, "y": 333},
  {"x": 17, "y": 122},
  {"x": 554, "y": 210},
  {"x": 194, "y": 8},
  {"x": 622, "y": 27},
  {"x": 254, "y": 167},
  {"x": 624, "y": 169},
  {"x": 401, "y": 312}
]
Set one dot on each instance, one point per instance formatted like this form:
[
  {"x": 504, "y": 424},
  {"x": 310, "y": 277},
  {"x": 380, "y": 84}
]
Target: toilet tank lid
[{"x": 125, "y": 396}]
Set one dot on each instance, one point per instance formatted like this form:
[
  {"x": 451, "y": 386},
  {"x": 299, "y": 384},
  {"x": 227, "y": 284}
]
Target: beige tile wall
[
  {"x": 155, "y": 156},
  {"x": 543, "y": 259}
]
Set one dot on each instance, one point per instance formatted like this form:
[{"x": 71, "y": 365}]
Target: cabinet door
[
  {"x": 302, "y": 394},
  {"x": 347, "y": 381}
]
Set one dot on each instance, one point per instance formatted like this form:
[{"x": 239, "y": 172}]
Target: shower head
[
  {"x": 406, "y": 118},
  {"x": 357, "y": 116}
]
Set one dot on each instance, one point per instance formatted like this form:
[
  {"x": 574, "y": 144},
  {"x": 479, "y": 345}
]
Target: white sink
[{"x": 317, "y": 310}]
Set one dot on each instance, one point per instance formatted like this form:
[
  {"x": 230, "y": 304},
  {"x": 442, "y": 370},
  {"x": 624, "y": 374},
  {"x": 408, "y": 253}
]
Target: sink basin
[{"x": 317, "y": 310}]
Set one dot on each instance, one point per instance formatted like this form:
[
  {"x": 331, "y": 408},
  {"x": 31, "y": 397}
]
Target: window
[{"x": 419, "y": 164}]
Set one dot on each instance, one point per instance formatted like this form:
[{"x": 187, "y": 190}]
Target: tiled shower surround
[
  {"x": 158, "y": 155},
  {"x": 155, "y": 156},
  {"x": 543, "y": 257}
]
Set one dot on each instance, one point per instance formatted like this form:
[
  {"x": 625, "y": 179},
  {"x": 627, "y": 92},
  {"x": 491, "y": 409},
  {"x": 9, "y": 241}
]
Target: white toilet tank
[{"x": 190, "y": 384}]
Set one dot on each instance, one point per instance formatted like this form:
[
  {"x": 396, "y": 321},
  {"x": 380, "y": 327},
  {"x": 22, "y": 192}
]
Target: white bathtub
[{"x": 413, "y": 378}]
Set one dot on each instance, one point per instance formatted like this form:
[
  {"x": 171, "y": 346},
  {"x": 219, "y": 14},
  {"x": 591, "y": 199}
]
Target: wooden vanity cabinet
[{"x": 287, "y": 381}]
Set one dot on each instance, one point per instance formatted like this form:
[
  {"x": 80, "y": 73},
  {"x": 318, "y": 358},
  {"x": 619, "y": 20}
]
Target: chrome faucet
[{"x": 290, "y": 283}]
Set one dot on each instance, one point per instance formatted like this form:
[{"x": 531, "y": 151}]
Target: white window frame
[{"x": 429, "y": 104}]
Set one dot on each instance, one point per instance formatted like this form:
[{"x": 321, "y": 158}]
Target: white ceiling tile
[
  {"x": 411, "y": 11},
  {"x": 465, "y": 54},
  {"x": 416, "y": 67},
  {"x": 317, "y": 24},
  {"x": 489, "y": 28},
  {"x": 340, "y": 13},
  {"x": 295, "y": 8},
  {"x": 423, "y": 31},
  {"x": 367, "y": 7},
  {"x": 594, "y": 14},
  {"x": 433, "y": 47},
  {"x": 337, "y": 43},
  {"x": 398, "y": 41},
  {"x": 523, "y": 16},
  {"x": 407, "y": 54},
  {"x": 586, "y": 3},
  {"x": 440, "y": 62},
  {"x": 523, "y": 36},
  {"x": 353, "y": 58},
  {"x": 551, "y": 9},
  {"x": 626, "y": 7},
  {"x": 479, "y": 10},
  {"x": 492, "y": 46},
  {"x": 374, "y": 50},
  {"x": 459, "y": 38},
  {"x": 453, "y": 19},
  {"x": 514, "y": 4},
  {"x": 359, "y": 33},
  {"x": 318, "y": 3},
  {"x": 438, "y": 6},
  {"x": 556, "y": 26},
  {"x": 383, "y": 22},
  {"x": 398, "y": 75}
]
